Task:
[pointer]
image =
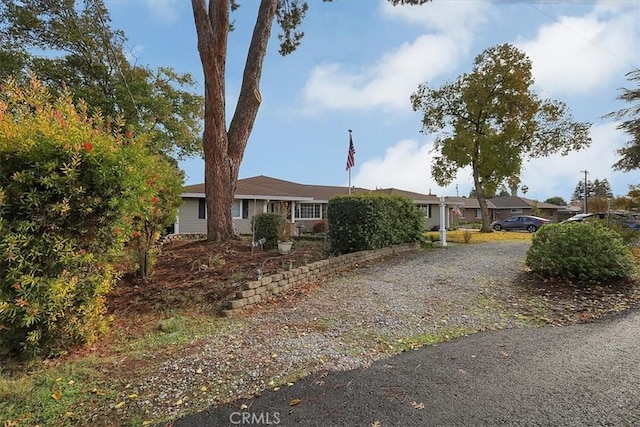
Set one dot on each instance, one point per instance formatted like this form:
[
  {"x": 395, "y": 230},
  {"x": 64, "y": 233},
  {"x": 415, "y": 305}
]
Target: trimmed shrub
[
  {"x": 320, "y": 227},
  {"x": 580, "y": 252},
  {"x": 372, "y": 221},
  {"x": 267, "y": 226}
]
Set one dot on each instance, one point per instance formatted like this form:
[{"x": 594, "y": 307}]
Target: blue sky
[{"x": 360, "y": 61}]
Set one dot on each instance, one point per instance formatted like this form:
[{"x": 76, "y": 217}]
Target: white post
[{"x": 443, "y": 218}]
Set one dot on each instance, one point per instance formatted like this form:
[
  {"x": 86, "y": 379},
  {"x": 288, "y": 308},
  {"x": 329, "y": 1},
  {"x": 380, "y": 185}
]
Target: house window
[
  {"x": 478, "y": 213},
  {"x": 245, "y": 209},
  {"x": 516, "y": 210},
  {"x": 236, "y": 209},
  {"x": 309, "y": 211},
  {"x": 498, "y": 211},
  {"x": 425, "y": 209}
]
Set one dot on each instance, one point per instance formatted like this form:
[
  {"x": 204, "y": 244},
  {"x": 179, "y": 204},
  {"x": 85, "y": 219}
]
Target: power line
[
  {"x": 635, "y": 67},
  {"x": 117, "y": 63}
]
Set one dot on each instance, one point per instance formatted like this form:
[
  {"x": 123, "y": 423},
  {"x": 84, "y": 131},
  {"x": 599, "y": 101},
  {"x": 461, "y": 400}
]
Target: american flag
[{"x": 351, "y": 160}]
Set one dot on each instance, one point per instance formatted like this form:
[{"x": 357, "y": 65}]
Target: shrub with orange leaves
[{"x": 67, "y": 196}]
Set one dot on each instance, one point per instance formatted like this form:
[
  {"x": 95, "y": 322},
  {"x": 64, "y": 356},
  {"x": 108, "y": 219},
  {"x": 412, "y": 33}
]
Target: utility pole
[{"x": 586, "y": 172}]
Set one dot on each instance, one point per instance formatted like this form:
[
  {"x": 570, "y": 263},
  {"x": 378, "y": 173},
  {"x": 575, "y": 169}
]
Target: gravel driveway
[{"x": 348, "y": 322}]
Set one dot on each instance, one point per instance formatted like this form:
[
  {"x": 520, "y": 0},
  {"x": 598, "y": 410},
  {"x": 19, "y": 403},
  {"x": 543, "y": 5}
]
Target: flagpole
[{"x": 350, "y": 140}]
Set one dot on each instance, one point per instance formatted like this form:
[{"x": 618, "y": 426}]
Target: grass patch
[
  {"x": 417, "y": 341},
  {"x": 475, "y": 236},
  {"x": 70, "y": 392}
]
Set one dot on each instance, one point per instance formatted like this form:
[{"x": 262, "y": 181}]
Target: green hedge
[{"x": 372, "y": 221}]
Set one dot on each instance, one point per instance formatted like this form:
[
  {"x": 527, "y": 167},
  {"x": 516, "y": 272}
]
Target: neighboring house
[
  {"x": 504, "y": 207},
  {"x": 500, "y": 208},
  {"x": 305, "y": 204},
  {"x": 468, "y": 210}
]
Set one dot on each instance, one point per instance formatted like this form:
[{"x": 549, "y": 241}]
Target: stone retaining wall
[{"x": 253, "y": 292}]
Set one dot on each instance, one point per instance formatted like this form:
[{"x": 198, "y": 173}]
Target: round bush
[{"x": 580, "y": 252}]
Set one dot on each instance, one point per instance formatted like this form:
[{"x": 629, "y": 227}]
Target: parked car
[
  {"x": 578, "y": 217},
  {"x": 520, "y": 222},
  {"x": 626, "y": 219}
]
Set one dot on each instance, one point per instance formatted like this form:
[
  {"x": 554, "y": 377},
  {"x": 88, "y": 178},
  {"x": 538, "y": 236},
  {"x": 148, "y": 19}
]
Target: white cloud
[
  {"x": 459, "y": 18},
  {"x": 407, "y": 166},
  {"x": 577, "y": 54},
  {"x": 389, "y": 82},
  {"x": 165, "y": 11},
  {"x": 558, "y": 176}
]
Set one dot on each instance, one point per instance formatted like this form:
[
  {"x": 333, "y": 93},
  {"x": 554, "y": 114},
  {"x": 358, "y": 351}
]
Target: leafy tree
[
  {"x": 503, "y": 192},
  {"x": 630, "y": 117},
  {"x": 598, "y": 194},
  {"x": 578, "y": 193},
  {"x": 156, "y": 206},
  {"x": 513, "y": 182},
  {"x": 556, "y": 200},
  {"x": 602, "y": 195},
  {"x": 491, "y": 120},
  {"x": 602, "y": 189},
  {"x": 224, "y": 147},
  {"x": 69, "y": 43}
]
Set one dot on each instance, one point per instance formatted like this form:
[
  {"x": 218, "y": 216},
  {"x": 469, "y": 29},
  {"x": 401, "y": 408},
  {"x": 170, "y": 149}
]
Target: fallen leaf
[
  {"x": 133, "y": 396},
  {"x": 294, "y": 402},
  {"x": 119, "y": 405},
  {"x": 146, "y": 423},
  {"x": 178, "y": 402},
  {"x": 376, "y": 424},
  {"x": 417, "y": 405},
  {"x": 271, "y": 383},
  {"x": 57, "y": 395},
  {"x": 203, "y": 389},
  {"x": 276, "y": 388},
  {"x": 289, "y": 384},
  {"x": 243, "y": 406},
  {"x": 71, "y": 382},
  {"x": 199, "y": 371}
]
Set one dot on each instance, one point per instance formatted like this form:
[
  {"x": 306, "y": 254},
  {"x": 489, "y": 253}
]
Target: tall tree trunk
[
  {"x": 482, "y": 201},
  {"x": 223, "y": 151}
]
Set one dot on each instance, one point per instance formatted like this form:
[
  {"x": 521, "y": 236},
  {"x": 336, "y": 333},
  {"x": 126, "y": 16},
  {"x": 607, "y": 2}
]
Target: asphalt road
[{"x": 582, "y": 375}]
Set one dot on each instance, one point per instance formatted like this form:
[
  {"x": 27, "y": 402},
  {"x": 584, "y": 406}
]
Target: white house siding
[{"x": 189, "y": 221}]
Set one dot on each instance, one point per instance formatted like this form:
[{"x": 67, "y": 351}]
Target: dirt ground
[{"x": 189, "y": 272}]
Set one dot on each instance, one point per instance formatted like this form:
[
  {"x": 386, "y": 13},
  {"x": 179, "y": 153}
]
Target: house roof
[
  {"x": 468, "y": 202},
  {"x": 416, "y": 197},
  {"x": 510, "y": 202},
  {"x": 264, "y": 187}
]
